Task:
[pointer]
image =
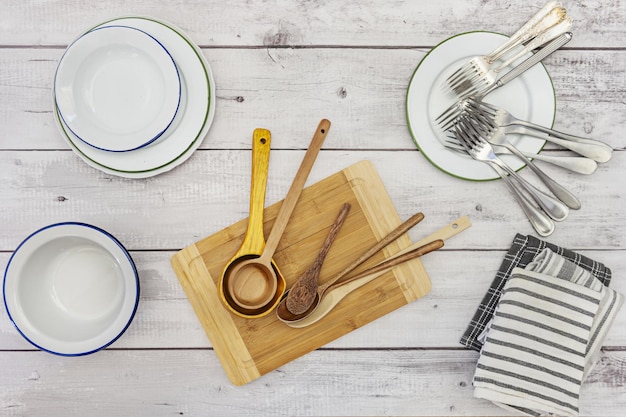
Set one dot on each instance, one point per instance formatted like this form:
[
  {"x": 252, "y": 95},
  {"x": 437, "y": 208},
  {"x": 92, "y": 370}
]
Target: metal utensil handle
[
  {"x": 553, "y": 207},
  {"x": 578, "y": 164},
  {"x": 538, "y": 219},
  {"x": 531, "y": 61},
  {"x": 523, "y": 33},
  {"x": 596, "y": 150},
  {"x": 546, "y": 36},
  {"x": 557, "y": 189}
]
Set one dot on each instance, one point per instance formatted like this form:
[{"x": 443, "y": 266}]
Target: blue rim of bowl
[
  {"x": 158, "y": 135},
  {"x": 199, "y": 136},
  {"x": 408, "y": 117},
  {"x": 128, "y": 257},
  {"x": 208, "y": 117}
]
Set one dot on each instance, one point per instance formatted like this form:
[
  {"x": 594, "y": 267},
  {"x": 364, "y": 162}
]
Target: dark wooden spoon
[{"x": 303, "y": 292}]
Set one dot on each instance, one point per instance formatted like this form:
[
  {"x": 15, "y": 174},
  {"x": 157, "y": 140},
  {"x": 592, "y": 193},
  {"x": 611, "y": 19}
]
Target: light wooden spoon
[
  {"x": 285, "y": 315},
  {"x": 340, "y": 290}
]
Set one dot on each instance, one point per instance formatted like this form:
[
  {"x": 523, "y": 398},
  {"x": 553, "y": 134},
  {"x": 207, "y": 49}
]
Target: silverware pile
[
  {"x": 482, "y": 130},
  {"x": 481, "y": 72}
]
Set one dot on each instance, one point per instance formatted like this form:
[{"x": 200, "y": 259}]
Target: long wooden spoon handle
[
  {"x": 445, "y": 233},
  {"x": 391, "y": 262},
  {"x": 254, "y": 240},
  {"x": 332, "y": 235},
  {"x": 392, "y": 236},
  {"x": 295, "y": 190}
]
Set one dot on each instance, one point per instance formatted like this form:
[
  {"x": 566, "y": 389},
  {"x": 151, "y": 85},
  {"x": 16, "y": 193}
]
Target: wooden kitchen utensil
[
  {"x": 248, "y": 348},
  {"x": 283, "y": 312},
  {"x": 302, "y": 293},
  {"x": 253, "y": 298},
  {"x": 260, "y": 271},
  {"x": 341, "y": 290}
]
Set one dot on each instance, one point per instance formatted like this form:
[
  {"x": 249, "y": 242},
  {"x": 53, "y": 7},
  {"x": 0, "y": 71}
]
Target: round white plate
[
  {"x": 117, "y": 88},
  {"x": 71, "y": 289},
  {"x": 190, "y": 125},
  {"x": 529, "y": 97}
]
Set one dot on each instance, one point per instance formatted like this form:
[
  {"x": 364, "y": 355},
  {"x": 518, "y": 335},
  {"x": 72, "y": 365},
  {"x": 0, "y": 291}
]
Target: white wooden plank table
[{"x": 284, "y": 65}]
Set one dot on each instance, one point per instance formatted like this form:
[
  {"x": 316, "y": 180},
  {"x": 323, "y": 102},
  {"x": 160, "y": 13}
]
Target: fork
[
  {"x": 497, "y": 135},
  {"x": 594, "y": 149},
  {"x": 484, "y": 126},
  {"x": 578, "y": 164},
  {"x": 481, "y": 150},
  {"x": 455, "y": 109},
  {"x": 542, "y": 224},
  {"x": 482, "y": 80},
  {"x": 482, "y": 63}
]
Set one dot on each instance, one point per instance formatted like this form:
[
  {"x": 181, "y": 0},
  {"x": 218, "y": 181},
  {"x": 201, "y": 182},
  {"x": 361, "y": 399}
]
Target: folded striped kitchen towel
[
  {"x": 549, "y": 263},
  {"x": 546, "y": 330},
  {"x": 524, "y": 249}
]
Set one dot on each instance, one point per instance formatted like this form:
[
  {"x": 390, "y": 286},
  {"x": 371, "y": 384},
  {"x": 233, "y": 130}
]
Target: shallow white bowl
[
  {"x": 117, "y": 88},
  {"x": 71, "y": 289}
]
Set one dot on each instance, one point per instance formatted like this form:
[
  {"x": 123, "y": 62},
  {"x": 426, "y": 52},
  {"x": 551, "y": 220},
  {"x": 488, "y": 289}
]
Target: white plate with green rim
[
  {"x": 117, "y": 88},
  {"x": 529, "y": 97},
  {"x": 192, "y": 121}
]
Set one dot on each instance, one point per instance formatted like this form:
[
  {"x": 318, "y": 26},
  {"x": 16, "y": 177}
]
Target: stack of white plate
[{"x": 134, "y": 97}]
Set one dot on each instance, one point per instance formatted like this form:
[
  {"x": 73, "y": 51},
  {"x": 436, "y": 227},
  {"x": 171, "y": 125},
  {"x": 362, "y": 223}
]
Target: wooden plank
[
  {"x": 46, "y": 187},
  {"x": 460, "y": 278},
  {"x": 362, "y": 91},
  {"x": 338, "y": 383},
  {"x": 249, "y": 348},
  {"x": 350, "y": 23}
]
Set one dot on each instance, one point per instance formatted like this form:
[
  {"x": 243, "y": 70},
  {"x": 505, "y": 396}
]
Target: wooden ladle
[
  {"x": 283, "y": 312},
  {"x": 261, "y": 270},
  {"x": 247, "y": 298},
  {"x": 302, "y": 293}
]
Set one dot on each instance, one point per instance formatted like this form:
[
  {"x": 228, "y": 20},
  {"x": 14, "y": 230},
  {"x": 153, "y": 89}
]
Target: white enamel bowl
[
  {"x": 71, "y": 289},
  {"x": 117, "y": 88}
]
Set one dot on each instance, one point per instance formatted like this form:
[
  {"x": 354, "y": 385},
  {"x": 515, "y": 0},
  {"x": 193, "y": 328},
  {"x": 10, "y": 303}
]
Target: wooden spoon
[
  {"x": 302, "y": 293},
  {"x": 245, "y": 299},
  {"x": 260, "y": 269},
  {"x": 285, "y": 315},
  {"x": 340, "y": 290}
]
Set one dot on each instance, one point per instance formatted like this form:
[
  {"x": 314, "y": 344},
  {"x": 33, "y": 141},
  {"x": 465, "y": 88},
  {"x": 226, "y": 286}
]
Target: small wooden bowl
[{"x": 250, "y": 297}]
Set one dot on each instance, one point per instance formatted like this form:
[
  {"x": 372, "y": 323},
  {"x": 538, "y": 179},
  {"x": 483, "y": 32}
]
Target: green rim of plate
[
  {"x": 206, "y": 116},
  {"x": 408, "y": 119}
]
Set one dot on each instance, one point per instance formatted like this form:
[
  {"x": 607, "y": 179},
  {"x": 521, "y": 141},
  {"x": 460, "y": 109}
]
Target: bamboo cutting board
[{"x": 249, "y": 348}]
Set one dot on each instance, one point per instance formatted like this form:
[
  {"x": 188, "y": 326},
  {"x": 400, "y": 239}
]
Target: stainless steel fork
[
  {"x": 448, "y": 115},
  {"x": 484, "y": 78},
  {"x": 481, "y": 150},
  {"x": 488, "y": 132},
  {"x": 541, "y": 21},
  {"x": 578, "y": 164},
  {"x": 540, "y": 221},
  {"x": 594, "y": 149}
]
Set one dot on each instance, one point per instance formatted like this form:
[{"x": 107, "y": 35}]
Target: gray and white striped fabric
[
  {"x": 524, "y": 249},
  {"x": 546, "y": 330},
  {"x": 549, "y": 263}
]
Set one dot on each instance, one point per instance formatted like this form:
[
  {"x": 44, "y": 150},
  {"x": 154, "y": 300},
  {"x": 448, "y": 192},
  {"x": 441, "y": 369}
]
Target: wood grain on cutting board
[{"x": 249, "y": 348}]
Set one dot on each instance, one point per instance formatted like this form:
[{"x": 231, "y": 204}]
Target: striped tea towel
[
  {"x": 534, "y": 354},
  {"x": 549, "y": 263},
  {"x": 522, "y": 252},
  {"x": 545, "y": 336}
]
